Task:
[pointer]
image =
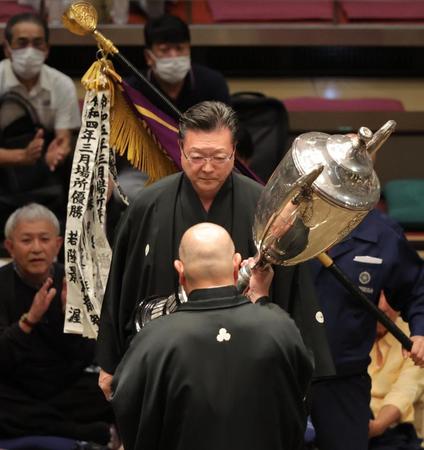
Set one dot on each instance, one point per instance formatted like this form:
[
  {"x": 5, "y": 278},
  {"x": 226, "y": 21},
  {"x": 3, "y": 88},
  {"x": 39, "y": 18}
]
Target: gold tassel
[
  {"x": 128, "y": 133},
  {"x": 131, "y": 135}
]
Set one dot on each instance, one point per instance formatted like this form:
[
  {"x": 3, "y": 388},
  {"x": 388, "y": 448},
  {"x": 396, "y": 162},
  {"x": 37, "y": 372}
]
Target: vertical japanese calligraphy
[{"x": 87, "y": 252}]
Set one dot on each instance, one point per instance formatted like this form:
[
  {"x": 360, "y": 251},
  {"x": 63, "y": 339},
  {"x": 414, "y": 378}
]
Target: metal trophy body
[
  {"x": 155, "y": 307},
  {"x": 339, "y": 197}
]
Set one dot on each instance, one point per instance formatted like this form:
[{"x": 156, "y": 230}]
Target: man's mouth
[{"x": 37, "y": 260}]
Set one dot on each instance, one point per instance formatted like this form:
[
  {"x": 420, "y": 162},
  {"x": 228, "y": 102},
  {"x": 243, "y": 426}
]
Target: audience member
[
  {"x": 221, "y": 373},
  {"x": 44, "y": 388},
  {"x": 397, "y": 384},
  {"x": 377, "y": 257},
  {"x": 30, "y": 159},
  {"x": 147, "y": 239},
  {"x": 167, "y": 54}
]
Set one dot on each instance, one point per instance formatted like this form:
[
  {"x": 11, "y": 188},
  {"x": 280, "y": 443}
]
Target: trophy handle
[{"x": 243, "y": 278}]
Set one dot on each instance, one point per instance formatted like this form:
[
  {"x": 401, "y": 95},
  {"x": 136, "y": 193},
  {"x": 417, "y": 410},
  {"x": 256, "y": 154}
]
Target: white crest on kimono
[
  {"x": 223, "y": 335},
  {"x": 319, "y": 317}
]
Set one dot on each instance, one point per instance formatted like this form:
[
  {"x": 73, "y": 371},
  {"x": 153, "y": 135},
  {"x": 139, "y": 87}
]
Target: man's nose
[
  {"x": 207, "y": 166},
  {"x": 36, "y": 245},
  {"x": 173, "y": 52}
]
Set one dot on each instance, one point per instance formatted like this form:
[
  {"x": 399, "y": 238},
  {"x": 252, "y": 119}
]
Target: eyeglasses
[{"x": 198, "y": 160}]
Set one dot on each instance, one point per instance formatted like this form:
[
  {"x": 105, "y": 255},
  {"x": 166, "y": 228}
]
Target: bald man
[{"x": 221, "y": 373}]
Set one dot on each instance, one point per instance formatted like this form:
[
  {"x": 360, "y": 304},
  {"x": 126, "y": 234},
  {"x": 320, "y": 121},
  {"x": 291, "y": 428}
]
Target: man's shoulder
[
  {"x": 199, "y": 70},
  {"x": 378, "y": 227},
  {"x": 177, "y": 330},
  {"x": 59, "y": 269},
  {"x": 248, "y": 184},
  {"x": 56, "y": 77},
  {"x": 5, "y": 75},
  {"x": 5, "y": 272},
  {"x": 153, "y": 192},
  {"x": 3, "y": 64},
  {"x": 271, "y": 312}
]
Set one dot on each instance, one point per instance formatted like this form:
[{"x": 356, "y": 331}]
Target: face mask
[
  {"x": 173, "y": 69},
  {"x": 27, "y": 62}
]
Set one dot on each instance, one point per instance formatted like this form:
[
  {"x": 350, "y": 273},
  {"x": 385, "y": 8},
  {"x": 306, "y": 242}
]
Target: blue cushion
[{"x": 38, "y": 442}]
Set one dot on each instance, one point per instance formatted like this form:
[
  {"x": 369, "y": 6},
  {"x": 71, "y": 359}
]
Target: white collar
[{"x": 11, "y": 80}]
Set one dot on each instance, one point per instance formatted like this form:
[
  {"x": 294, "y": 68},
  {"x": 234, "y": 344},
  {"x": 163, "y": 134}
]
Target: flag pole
[{"x": 81, "y": 18}]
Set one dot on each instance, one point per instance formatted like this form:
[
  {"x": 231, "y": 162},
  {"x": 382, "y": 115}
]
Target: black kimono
[
  {"x": 146, "y": 246},
  {"x": 221, "y": 373}
]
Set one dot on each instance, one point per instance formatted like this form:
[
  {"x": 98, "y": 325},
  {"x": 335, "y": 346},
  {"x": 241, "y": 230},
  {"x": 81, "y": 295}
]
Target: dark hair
[
  {"x": 245, "y": 148},
  {"x": 25, "y": 17},
  {"x": 165, "y": 28},
  {"x": 209, "y": 116}
]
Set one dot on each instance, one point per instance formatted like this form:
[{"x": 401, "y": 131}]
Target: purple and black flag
[{"x": 162, "y": 129}]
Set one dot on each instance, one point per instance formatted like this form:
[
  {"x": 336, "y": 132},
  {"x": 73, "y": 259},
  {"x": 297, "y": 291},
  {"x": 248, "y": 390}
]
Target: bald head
[{"x": 207, "y": 256}]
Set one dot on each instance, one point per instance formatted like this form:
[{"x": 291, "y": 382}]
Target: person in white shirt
[{"x": 53, "y": 96}]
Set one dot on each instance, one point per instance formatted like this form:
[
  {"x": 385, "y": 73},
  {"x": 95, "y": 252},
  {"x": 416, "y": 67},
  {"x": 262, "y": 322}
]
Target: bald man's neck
[{"x": 208, "y": 285}]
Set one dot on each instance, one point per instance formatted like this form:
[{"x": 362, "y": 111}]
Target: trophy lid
[{"x": 348, "y": 179}]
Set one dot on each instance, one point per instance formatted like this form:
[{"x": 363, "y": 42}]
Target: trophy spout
[{"x": 380, "y": 137}]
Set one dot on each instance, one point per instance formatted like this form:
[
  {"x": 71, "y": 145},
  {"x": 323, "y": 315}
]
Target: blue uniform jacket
[{"x": 376, "y": 256}]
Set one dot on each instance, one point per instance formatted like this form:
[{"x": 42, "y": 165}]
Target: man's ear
[
  {"x": 178, "y": 265},
  {"x": 8, "y": 243},
  {"x": 236, "y": 265},
  {"x": 6, "y": 49},
  {"x": 148, "y": 57},
  {"x": 59, "y": 242}
]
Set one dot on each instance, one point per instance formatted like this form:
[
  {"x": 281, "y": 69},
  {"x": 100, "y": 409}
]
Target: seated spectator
[
  {"x": 167, "y": 54},
  {"x": 397, "y": 384},
  {"x": 31, "y": 154},
  {"x": 221, "y": 373},
  {"x": 43, "y": 369}
]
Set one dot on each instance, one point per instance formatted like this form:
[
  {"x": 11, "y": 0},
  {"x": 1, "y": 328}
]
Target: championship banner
[
  {"x": 87, "y": 252},
  {"x": 111, "y": 121}
]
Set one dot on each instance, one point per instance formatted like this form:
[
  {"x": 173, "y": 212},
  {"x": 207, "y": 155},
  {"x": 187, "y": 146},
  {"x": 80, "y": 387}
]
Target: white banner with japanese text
[{"x": 87, "y": 251}]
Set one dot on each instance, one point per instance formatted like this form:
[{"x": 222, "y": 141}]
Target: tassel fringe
[
  {"x": 132, "y": 136},
  {"x": 129, "y": 135}
]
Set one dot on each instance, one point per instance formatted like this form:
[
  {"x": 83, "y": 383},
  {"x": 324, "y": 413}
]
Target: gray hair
[
  {"x": 209, "y": 116},
  {"x": 30, "y": 213}
]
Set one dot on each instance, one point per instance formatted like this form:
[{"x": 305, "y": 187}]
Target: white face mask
[
  {"x": 27, "y": 62},
  {"x": 173, "y": 69}
]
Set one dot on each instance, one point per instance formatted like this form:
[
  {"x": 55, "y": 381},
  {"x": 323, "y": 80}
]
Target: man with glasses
[
  {"x": 147, "y": 240},
  {"x": 31, "y": 154}
]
